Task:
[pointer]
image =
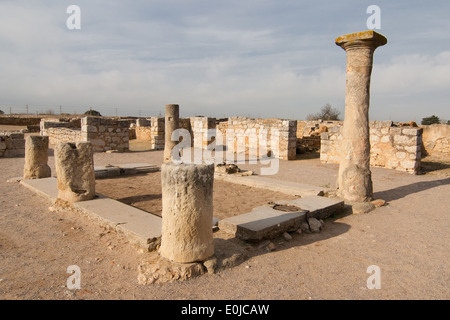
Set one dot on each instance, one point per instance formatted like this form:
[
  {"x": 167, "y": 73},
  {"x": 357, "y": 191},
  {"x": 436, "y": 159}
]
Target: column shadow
[{"x": 403, "y": 191}]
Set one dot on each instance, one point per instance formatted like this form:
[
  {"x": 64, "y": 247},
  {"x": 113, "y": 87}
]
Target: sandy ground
[
  {"x": 144, "y": 192},
  {"x": 408, "y": 240}
]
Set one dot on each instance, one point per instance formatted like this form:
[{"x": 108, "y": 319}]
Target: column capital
[{"x": 365, "y": 39}]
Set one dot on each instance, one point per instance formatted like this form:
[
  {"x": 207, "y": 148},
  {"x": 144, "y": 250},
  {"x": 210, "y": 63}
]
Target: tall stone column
[
  {"x": 187, "y": 212},
  {"x": 355, "y": 178},
  {"x": 36, "y": 158},
  {"x": 172, "y": 123},
  {"x": 75, "y": 174}
]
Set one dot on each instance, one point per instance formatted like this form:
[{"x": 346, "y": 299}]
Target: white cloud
[{"x": 261, "y": 58}]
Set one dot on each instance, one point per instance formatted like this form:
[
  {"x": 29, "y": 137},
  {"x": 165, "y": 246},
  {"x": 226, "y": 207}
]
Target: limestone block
[
  {"x": 374, "y": 138},
  {"x": 408, "y": 164},
  {"x": 89, "y": 128},
  {"x": 36, "y": 158},
  {"x": 411, "y": 132},
  {"x": 400, "y": 155},
  {"x": 187, "y": 212},
  {"x": 404, "y": 140},
  {"x": 413, "y": 149},
  {"x": 392, "y": 164},
  {"x": 75, "y": 171}
]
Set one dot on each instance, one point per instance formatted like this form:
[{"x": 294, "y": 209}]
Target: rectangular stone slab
[
  {"x": 46, "y": 187},
  {"x": 288, "y": 187},
  {"x": 318, "y": 207},
  {"x": 140, "y": 227},
  {"x": 262, "y": 223}
]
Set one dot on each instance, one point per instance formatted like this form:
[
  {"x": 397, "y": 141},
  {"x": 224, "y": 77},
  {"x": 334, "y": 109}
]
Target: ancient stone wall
[
  {"x": 106, "y": 134},
  {"x": 12, "y": 145},
  {"x": 252, "y": 134},
  {"x": 199, "y": 131},
  {"x": 143, "y": 129},
  {"x": 392, "y": 147},
  {"x": 19, "y": 120},
  {"x": 308, "y": 133},
  {"x": 157, "y": 133},
  {"x": 62, "y": 135},
  {"x": 46, "y": 124},
  {"x": 436, "y": 139},
  {"x": 103, "y": 133}
]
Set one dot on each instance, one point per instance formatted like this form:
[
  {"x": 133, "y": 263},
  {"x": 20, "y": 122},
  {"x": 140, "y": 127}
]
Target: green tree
[
  {"x": 1, "y": 112},
  {"x": 92, "y": 113},
  {"x": 431, "y": 120},
  {"x": 327, "y": 112}
]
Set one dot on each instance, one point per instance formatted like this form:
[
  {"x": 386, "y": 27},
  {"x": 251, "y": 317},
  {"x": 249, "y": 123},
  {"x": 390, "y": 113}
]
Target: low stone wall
[
  {"x": 19, "y": 120},
  {"x": 250, "y": 134},
  {"x": 12, "y": 145},
  {"x": 392, "y": 147},
  {"x": 436, "y": 139},
  {"x": 106, "y": 134},
  {"x": 143, "y": 129},
  {"x": 103, "y": 133},
  {"x": 46, "y": 124},
  {"x": 199, "y": 127},
  {"x": 308, "y": 133},
  {"x": 63, "y": 135},
  {"x": 157, "y": 133}
]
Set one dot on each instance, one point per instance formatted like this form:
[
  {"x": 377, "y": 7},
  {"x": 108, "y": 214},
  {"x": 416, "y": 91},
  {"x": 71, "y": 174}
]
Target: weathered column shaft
[
  {"x": 74, "y": 164},
  {"x": 36, "y": 158},
  {"x": 187, "y": 212},
  {"x": 172, "y": 123},
  {"x": 355, "y": 178}
]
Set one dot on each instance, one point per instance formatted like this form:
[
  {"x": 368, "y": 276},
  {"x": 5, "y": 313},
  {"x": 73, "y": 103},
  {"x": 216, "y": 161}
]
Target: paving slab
[
  {"x": 262, "y": 223},
  {"x": 46, "y": 187},
  {"x": 318, "y": 207},
  {"x": 288, "y": 187},
  {"x": 140, "y": 227}
]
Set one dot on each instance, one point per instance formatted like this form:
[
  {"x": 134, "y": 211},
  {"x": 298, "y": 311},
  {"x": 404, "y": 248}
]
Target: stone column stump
[
  {"x": 355, "y": 178},
  {"x": 172, "y": 123},
  {"x": 75, "y": 171},
  {"x": 36, "y": 158},
  {"x": 187, "y": 212}
]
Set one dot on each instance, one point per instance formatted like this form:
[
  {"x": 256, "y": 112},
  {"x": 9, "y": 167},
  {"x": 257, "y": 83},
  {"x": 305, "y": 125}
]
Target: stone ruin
[
  {"x": 104, "y": 134},
  {"x": 36, "y": 158},
  {"x": 187, "y": 244},
  {"x": 74, "y": 164}
]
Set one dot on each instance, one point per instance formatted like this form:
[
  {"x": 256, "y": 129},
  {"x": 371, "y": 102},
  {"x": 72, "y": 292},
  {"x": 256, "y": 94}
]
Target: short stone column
[
  {"x": 187, "y": 212},
  {"x": 74, "y": 164},
  {"x": 36, "y": 158},
  {"x": 355, "y": 178},
  {"x": 172, "y": 123}
]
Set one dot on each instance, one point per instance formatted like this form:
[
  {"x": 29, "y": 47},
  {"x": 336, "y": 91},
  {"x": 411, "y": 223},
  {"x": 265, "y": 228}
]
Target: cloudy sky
[{"x": 258, "y": 58}]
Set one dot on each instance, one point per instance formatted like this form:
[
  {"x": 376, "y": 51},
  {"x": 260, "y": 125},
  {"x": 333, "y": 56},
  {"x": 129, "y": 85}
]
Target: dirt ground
[
  {"x": 144, "y": 192},
  {"x": 408, "y": 239}
]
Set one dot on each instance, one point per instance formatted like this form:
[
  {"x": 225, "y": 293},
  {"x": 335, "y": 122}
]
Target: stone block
[
  {"x": 408, "y": 164},
  {"x": 75, "y": 171},
  {"x": 411, "y": 131},
  {"x": 36, "y": 158},
  {"x": 262, "y": 223}
]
